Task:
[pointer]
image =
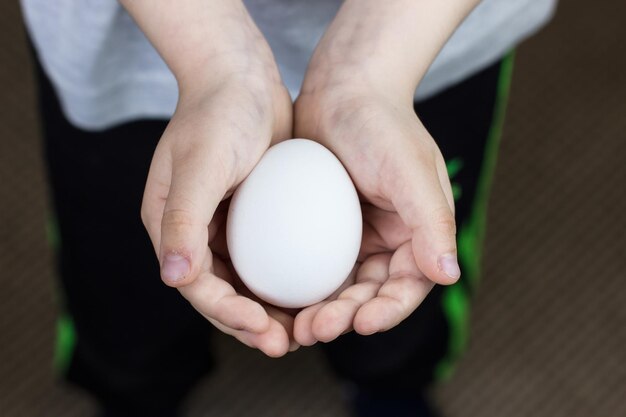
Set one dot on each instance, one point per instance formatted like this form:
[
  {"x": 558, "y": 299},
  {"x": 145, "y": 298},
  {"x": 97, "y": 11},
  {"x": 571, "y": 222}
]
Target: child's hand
[
  {"x": 409, "y": 229},
  {"x": 232, "y": 105},
  {"x": 357, "y": 99},
  {"x": 211, "y": 144}
]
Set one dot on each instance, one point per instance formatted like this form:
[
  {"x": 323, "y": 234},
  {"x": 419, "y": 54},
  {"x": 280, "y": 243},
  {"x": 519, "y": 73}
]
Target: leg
[
  {"x": 401, "y": 362},
  {"x": 132, "y": 342}
]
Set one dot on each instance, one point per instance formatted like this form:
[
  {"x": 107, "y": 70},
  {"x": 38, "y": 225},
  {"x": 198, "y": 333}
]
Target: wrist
[
  {"x": 255, "y": 74},
  {"x": 338, "y": 115},
  {"x": 256, "y": 98},
  {"x": 245, "y": 60},
  {"x": 206, "y": 44},
  {"x": 386, "y": 47},
  {"x": 330, "y": 78}
]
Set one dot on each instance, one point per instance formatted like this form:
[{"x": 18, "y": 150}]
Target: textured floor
[{"x": 549, "y": 322}]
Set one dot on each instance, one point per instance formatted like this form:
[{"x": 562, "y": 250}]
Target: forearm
[
  {"x": 385, "y": 45},
  {"x": 204, "y": 41}
]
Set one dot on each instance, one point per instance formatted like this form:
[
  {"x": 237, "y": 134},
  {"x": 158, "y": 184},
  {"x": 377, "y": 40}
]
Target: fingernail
[
  {"x": 449, "y": 265},
  {"x": 293, "y": 346},
  {"x": 175, "y": 268}
]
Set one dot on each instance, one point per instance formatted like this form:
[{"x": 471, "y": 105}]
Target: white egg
[{"x": 294, "y": 225}]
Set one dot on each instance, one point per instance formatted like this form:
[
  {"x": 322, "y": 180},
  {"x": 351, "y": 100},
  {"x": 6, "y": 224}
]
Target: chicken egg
[{"x": 294, "y": 225}]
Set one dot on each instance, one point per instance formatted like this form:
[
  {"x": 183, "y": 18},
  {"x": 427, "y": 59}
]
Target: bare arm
[
  {"x": 384, "y": 45},
  {"x": 204, "y": 41}
]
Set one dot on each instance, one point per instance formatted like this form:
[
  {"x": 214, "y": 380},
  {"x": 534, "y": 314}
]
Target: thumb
[
  {"x": 197, "y": 187},
  {"x": 425, "y": 204}
]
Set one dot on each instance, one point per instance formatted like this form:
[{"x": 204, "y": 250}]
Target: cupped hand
[
  {"x": 408, "y": 211},
  {"x": 212, "y": 142}
]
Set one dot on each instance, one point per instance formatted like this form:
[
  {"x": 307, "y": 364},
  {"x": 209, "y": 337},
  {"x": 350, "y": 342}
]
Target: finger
[
  {"x": 199, "y": 182},
  {"x": 337, "y": 317},
  {"x": 287, "y": 322},
  {"x": 334, "y": 319},
  {"x": 273, "y": 342},
  {"x": 155, "y": 195},
  {"x": 397, "y": 298},
  {"x": 383, "y": 231},
  {"x": 303, "y": 324},
  {"x": 237, "y": 315},
  {"x": 444, "y": 180},
  {"x": 421, "y": 201},
  {"x": 216, "y": 299}
]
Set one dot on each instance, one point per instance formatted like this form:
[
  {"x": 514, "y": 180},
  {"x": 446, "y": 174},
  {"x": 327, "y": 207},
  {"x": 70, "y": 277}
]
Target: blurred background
[{"x": 548, "y": 326}]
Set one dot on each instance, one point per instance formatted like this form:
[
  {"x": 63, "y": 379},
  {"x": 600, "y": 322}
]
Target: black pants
[{"x": 136, "y": 344}]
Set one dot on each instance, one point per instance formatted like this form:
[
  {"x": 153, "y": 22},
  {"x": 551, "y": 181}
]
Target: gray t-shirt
[{"x": 106, "y": 72}]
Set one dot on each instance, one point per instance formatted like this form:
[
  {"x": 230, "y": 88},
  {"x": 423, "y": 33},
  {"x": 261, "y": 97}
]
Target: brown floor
[{"x": 549, "y": 323}]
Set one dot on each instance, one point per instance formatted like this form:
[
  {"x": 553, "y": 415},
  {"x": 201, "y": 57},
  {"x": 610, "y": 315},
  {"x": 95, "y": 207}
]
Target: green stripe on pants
[
  {"x": 472, "y": 233},
  {"x": 65, "y": 332}
]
